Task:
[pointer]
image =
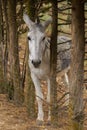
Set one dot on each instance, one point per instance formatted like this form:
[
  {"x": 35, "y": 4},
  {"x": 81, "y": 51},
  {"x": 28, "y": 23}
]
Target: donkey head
[{"x": 36, "y": 40}]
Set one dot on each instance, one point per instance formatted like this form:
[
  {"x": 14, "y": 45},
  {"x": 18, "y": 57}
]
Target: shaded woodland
[{"x": 69, "y": 19}]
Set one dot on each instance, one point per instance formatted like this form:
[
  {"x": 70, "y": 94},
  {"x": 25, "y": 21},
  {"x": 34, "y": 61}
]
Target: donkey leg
[
  {"x": 67, "y": 85},
  {"x": 48, "y": 99},
  {"x": 39, "y": 97}
]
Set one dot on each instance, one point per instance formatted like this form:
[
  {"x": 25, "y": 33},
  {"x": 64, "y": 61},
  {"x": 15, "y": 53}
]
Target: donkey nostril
[
  {"x": 36, "y": 63},
  {"x": 39, "y": 62},
  {"x": 32, "y": 61}
]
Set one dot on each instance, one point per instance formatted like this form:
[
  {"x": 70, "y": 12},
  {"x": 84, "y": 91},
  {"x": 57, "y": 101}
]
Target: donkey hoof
[
  {"x": 39, "y": 122},
  {"x": 48, "y": 123}
]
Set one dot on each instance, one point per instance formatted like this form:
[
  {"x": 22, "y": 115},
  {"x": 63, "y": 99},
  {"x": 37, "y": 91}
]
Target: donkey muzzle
[{"x": 36, "y": 63}]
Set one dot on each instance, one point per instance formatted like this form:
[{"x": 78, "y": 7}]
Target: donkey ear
[
  {"x": 28, "y": 21},
  {"x": 46, "y": 23}
]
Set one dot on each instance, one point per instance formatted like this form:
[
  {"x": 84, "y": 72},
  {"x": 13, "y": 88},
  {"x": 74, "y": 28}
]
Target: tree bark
[
  {"x": 1, "y": 56},
  {"x": 13, "y": 52},
  {"x": 77, "y": 66},
  {"x": 6, "y": 40},
  {"x": 29, "y": 86},
  {"x": 54, "y": 107}
]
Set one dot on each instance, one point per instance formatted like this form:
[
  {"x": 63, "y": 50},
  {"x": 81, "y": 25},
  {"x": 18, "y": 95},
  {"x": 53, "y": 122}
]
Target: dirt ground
[{"x": 16, "y": 118}]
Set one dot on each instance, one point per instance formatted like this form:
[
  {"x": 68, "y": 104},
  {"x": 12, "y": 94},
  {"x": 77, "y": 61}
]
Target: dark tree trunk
[
  {"x": 13, "y": 52},
  {"x": 29, "y": 87},
  {"x": 6, "y": 40},
  {"x": 54, "y": 107},
  {"x": 77, "y": 66},
  {"x": 2, "y": 85}
]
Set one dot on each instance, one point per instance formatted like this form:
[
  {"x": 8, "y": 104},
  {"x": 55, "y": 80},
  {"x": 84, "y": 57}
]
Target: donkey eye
[
  {"x": 28, "y": 38},
  {"x": 43, "y": 38}
]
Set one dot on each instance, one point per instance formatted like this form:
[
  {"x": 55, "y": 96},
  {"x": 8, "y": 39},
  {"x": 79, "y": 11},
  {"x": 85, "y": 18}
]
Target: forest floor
[{"x": 16, "y": 118}]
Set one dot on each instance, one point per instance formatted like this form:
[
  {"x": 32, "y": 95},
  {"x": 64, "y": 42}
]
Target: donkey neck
[{"x": 46, "y": 54}]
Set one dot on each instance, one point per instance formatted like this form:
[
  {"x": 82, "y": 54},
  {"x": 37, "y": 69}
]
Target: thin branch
[
  {"x": 68, "y": 23},
  {"x": 63, "y": 13},
  {"x": 60, "y": 31},
  {"x": 60, "y": 1},
  {"x": 63, "y": 96},
  {"x": 64, "y": 42},
  {"x": 63, "y": 9},
  {"x": 64, "y": 20}
]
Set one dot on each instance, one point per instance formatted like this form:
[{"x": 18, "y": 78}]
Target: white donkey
[{"x": 39, "y": 60}]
